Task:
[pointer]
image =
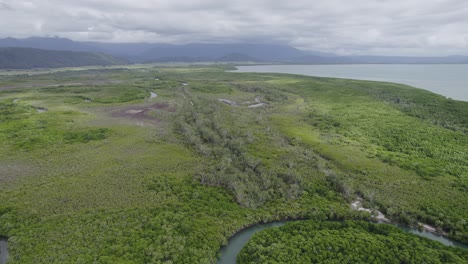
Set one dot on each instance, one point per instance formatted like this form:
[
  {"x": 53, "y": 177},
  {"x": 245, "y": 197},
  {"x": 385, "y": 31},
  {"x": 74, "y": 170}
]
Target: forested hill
[{"x": 27, "y": 58}]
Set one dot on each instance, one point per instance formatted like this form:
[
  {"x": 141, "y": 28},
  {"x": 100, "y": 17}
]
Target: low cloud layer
[{"x": 384, "y": 27}]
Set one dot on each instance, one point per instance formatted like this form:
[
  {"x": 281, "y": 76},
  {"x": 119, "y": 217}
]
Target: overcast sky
[{"x": 385, "y": 27}]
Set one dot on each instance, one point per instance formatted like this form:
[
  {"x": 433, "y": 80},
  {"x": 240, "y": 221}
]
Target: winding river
[
  {"x": 237, "y": 242},
  {"x": 3, "y": 250},
  {"x": 228, "y": 253},
  {"x": 448, "y": 80}
]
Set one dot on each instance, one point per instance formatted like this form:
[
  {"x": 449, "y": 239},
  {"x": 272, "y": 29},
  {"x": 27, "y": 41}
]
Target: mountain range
[
  {"x": 28, "y": 58},
  {"x": 147, "y": 52},
  {"x": 237, "y": 52}
]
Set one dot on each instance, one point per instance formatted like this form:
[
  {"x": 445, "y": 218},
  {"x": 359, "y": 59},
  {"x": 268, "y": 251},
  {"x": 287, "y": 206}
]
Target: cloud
[
  {"x": 393, "y": 27},
  {"x": 4, "y": 6}
]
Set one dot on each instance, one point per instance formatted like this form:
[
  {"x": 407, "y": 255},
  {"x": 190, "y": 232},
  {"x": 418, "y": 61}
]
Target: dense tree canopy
[
  {"x": 93, "y": 169},
  {"x": 345, "y": 242}
]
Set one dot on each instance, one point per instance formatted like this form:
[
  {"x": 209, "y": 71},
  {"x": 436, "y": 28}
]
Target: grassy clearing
[{"x": 108, "y": 175}]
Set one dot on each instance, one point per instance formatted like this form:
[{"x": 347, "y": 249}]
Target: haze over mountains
[
  {"x": 28, "y": 58},
  {"x": 198, "y": 52},
  {"x": 146, "y": 52}
]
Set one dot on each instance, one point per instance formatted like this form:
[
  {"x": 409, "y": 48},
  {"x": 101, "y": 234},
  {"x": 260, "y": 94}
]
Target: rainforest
[{"x": 157, "y": 164}]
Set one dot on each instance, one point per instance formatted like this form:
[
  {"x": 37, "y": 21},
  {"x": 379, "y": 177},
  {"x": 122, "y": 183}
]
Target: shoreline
[{"x": 428, "y": 77}]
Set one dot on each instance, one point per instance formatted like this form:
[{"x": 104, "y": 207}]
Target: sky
[{"x": 374, "y": 27}]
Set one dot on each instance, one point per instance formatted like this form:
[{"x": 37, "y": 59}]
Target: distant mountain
[
  {"x": 197, "y": 52},
  {"x": 264, "y": 52},
  {"x": 46, "y": 43},
  {"x": 131, "y": 51},
  {"x": 143, "y": 52},
  {"x": 27, "y": 58},
  {"x": 318, "y": 53},
  {"x": 177, "y": 59},
  {"x": 314, "y": 59},
  {"x": 232, "y": 57},
  {"x": 236, "y": 57}
]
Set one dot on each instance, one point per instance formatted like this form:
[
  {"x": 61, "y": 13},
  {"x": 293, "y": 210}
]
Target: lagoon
[{"x": 449, "y": 80}]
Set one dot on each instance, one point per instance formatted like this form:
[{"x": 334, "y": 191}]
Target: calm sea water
[{"x": 447, "y": 80}]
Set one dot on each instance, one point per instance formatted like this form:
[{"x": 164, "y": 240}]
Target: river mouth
[
  {"x": 228, "y": 253},
  {"x": 3, "y": 250}
]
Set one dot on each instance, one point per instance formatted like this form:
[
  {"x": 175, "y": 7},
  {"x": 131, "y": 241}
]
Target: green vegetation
[
  {"x": 93, "y": 170},
  {"x": 27, "y": 58},
  {"x": 345, "y": 242}
]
